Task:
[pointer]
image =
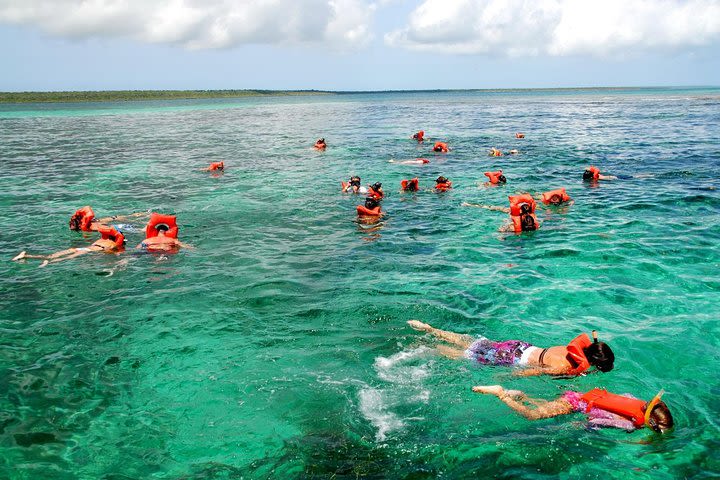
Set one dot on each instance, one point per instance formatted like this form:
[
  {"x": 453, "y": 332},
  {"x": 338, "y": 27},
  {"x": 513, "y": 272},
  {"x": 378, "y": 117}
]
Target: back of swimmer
[
  {"x": 442, "y": 184},
  {"x": 410, "y": 185},
  {"x": 371, "y": 207}
]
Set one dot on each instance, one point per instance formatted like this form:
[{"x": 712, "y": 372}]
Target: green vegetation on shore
[{"x": 130, "y": 95}]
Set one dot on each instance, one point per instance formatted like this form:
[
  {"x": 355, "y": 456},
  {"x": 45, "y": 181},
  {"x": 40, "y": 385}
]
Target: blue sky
[{"x": 356, "y": 44}]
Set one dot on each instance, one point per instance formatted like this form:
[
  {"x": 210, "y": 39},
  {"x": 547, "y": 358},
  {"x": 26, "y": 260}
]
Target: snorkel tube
[{"x": 650, "y": 406}]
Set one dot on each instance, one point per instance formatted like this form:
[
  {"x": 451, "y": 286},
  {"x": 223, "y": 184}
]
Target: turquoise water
[{"x": 278, "y": 347}]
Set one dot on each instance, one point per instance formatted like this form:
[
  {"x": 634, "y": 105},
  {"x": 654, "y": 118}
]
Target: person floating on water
[
  {"x": 419, "y": 136},
  {"x": 370, "y": 209},
  {"x": 556, "y": 197},
  {"x": 576, "y": 358},
  {"x": 376, "y": 191},
  {"x": 592, "y": 174},
  {"x": 84, "y": 219},
  {"x": 412, "y": 185},
  {"x": 417, "y": 161},
  {"x": 441, "y": 147},
  {"x": 519, "y": 135},
  {"x": 522, "y": 213},
  {"x": 494, "y": 152},
  {"x": 111, "y": 241},
  {"x": 161, "y": 234},
  {"x": 353, "y": 186},
  {"x": 495, "y": 178},
  {"x": 215, "y": 167},
  {"x": 320, "y": 144},
  {"x": 604, "y": 409},
  {"x": 442, "y": 184}
]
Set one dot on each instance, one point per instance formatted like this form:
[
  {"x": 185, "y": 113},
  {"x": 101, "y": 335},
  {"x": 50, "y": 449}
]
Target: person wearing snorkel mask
[
  {"x": 354, "y": 186},
  {"x": 604, "y": 409},
  {"x": 576, "y": 358}
]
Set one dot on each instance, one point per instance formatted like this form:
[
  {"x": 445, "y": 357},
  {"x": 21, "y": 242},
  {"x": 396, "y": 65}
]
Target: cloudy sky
[{"x": 356, "y": 44}]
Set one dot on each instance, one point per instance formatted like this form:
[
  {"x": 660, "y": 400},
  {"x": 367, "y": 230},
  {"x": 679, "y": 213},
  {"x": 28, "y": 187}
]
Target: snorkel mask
[{"x": 648, "y": 410}]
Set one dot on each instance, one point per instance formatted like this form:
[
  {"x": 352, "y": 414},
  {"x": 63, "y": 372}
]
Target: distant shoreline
[{"x": 145, "y": 95}]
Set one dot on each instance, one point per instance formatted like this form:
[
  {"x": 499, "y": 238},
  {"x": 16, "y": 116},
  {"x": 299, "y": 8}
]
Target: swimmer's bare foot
[
  {"x": 418, "y": 325},
  {"x": 19, "y": 256},
  {"x": 489, "y": 389},
  {"x": 43, "y": 264}
]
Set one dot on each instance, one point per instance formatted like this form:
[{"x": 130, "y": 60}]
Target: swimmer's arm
[
  {"x": 185, "y": 245},
  {"x": 487, "y": 207},
  {"x": 122, "y": 218},
  {"x": 607, "y": 177},
  {"x": 514, "y": 399}
]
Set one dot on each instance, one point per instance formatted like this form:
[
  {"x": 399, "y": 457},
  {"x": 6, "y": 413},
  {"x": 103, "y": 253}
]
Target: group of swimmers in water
[
  {"x": 161, "y": 235},
  {"x": 603, "y": 408}
]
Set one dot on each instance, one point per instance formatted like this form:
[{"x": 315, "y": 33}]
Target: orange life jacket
[
  {"x": 157, "y": 219},
  {"x": 106, "y": 232},
  {"x": 519, "y": 135},
  {"x": 559, "y": 193},
  {"x": 320, "y": 146},
  {"x": 409, "y": 185},
  {"x": 630, "y": 408},
  {"x": 595, "y": 171},
  {"x": 363, "y": 211},
  {"x": 494, "y": 176},
  {"x": 576, "y": 355},
  {"x": 517, "y": 200},
  {"x": 440, "y": 147},
  {"x": 86, "y": 216},
  {"x": 217, "y": 166},
  {"x": 374, "y": 194},
  {"x": 496, "y": 153},
  {"x": 419, "y": 136},
  {"x": 441, "y": 187}
]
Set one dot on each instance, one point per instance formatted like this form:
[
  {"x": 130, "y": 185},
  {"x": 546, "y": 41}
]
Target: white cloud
[
  {"x": 558, "y": 27},
  {"x": 199, "y": 24}
]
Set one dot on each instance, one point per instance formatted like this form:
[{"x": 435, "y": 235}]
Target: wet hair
[
  {"x": 525, "y": 208},
  {"x": 377, "y": 186},
  {"x": 502, "y": 179},
  {"x": 587, "y": 175},
  {"x": 660, "y": 419},
  {"x": 600, "y": 355},
  {"x": 162, "y": 227},
  {"x": 437, "y": 148},
  {"x": 355, "y": 181},
  {"x": 527, "y": 222},
  {"x": 371, "y": 203},
  {"x": 441, "y": 180},
  {"x": 75, "y": 222}
]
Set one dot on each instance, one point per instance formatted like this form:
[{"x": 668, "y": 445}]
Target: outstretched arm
[
  {"x": 515, "y": 398},
  {"x": 486, "y": 207}
]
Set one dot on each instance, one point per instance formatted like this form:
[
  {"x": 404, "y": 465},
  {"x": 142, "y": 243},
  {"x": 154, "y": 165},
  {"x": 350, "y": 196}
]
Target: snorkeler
[
  {"x": 161, "y": 234},
  {"x": 573, "y": 359},
  {"x": 604, "y": 409},
  {"x": 522, "y": 213},
  {"x": 411, "y": 185},
  {"x": 320, "y": 144},
  {"x": 417, "y": 161},
  {"x": 215, "y": 167},
  {"x": 556, "y": 197},
  {"x": 111, "y": 241},
  {"x": 494, "y": 152},
  {"x": 419, "y": 136},
  {"x": 84, "y": 219},
  {"x": 442, "y": 184},
  {"x": 441, "y": 147},
  {"x": 376, "y": 191},
  {"x": 519, "y": 135},
  {"x": 592, "y": 174},
  {"x": 353, "y": 186},
  {"x": 370, "y": 209}
]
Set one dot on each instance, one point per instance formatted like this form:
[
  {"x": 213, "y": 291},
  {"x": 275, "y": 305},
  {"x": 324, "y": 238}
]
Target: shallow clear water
[{"x": 278, "y": 347}]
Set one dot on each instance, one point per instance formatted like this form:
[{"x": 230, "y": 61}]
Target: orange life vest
[
  {"x": 519, "y": 135},
  {"x": 496, "y": 153},
  {"x": 217, "y": 166},
  {"x": 419, "y": 136},
  {"x": 374, "y": 194},
  {"x": 517, "y": 222},
  {"x": 157, "y": 219},
  {"x": 441, "y": 187},
  {"x": 576, "y": 355},
  {"x": 106, "y": 232},
  {"x": 559, "y": 193},
  {"x": 517, "y": 200},
  {"x": 630, "y": 408},
  {"x": 440, "y": 147},
  {"x": 595, "y": 171},
  {"x": 86, "y": 216},
  {"x": 494, "y": 176},
  {"x": 320, "y": 146},
  {"x": 363, "y": 211},
  {"x": 409, "y": 185}
]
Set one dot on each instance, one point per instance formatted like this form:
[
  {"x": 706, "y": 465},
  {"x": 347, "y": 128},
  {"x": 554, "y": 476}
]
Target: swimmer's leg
[
  {"x": 460, "y": 340},
  {"x": 450, "y": 352}
]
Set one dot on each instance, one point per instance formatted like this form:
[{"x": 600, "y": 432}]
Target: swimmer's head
[
  {"x": 555, "y": 199},
  {"x": 377, "y": 186},
  {"x": 525, "y": 209},
  {"x": 660, "y": 419},
  {"x": 587, "y": 175},
  {"x": 355, "y": 181},
  {"x": 441, "y": 180},
  {"x": 371, "y": 203},
  {"x": 162, "y": 228},
  {"x": 502, "y": 179},
  {"x": 75, "y": 222},
  {"x": 599, "y": 354}
]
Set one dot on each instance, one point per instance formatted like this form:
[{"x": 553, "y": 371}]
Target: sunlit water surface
[{"x": 278, "y": 347}]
